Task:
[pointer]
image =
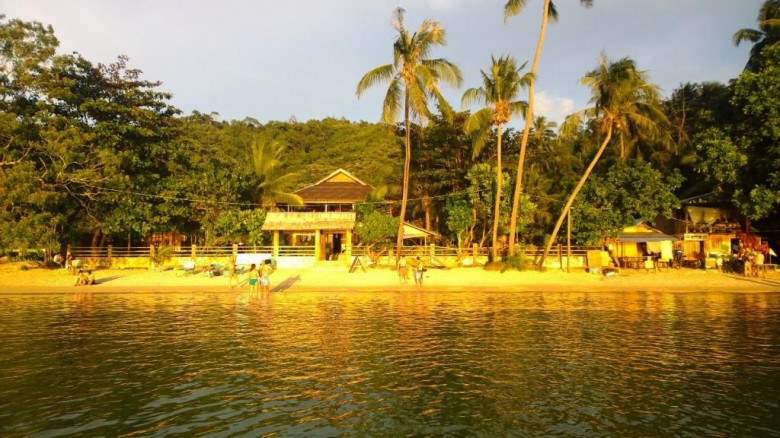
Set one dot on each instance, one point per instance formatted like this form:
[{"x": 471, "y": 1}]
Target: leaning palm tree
[
  {"x": 414, "y": 79},
  {"x": 270, "y": 186},
  {"x": 621, "y": 94},
  {"x": 767, "y": 34},
  {"x": 499, "y": 91},
  {"x": 514, "y": 7}
]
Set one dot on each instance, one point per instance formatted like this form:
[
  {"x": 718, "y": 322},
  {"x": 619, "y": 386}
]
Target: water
[{"x": 390, "y": 364}]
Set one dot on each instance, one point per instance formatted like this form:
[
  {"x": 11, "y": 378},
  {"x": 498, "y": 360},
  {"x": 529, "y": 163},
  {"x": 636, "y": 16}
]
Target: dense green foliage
[{"x": 94, "y": 154}]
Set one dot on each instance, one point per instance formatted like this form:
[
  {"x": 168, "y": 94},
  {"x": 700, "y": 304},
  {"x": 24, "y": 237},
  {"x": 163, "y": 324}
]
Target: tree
[
  {"x": 514, "y": 7},
  {"x": 630, "y": 191},
  {"x": 620, "y": 93},
  {"x": 375, "y": 228},
  {"x": 498, "y": 92},
  {"x": 271, "y": 182},
  {"x": 414, "y": 79},
  {"x": 767, "y": 34},
  {"x": 745, "y": 159}
]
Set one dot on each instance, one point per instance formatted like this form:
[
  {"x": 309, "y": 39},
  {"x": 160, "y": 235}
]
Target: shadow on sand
[
  {"x": 105, "y": 279},
  {"x": 286, "y": 284}
]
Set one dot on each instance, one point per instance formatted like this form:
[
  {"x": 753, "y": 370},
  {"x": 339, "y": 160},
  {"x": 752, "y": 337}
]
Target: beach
[{"x": 14, "y": 279}]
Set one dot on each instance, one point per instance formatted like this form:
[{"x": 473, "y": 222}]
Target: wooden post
[
  {"x": 568, "y": 242},
  {"x": 432, "y": 250},
  {"x": 474, "y": 253},
  {"x": 235, "y": 251},
  {"x": 110, "y": 255},
  {"x": 194, "y": 252},
  {"x": 560, "y": 255},
  {"x": 276, "y": 244},
  {"x": 317, "y": 249},
  {"x": 151, "y": 256}
]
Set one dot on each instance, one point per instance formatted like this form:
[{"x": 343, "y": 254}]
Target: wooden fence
[{"x": 143, "y": 257}]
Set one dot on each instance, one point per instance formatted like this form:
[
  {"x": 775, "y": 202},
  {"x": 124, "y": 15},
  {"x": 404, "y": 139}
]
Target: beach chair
[{"x": 186, "y": 269}]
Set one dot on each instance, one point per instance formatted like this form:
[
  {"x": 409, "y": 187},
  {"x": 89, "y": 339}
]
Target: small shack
[{"x": 638, "y": 242}]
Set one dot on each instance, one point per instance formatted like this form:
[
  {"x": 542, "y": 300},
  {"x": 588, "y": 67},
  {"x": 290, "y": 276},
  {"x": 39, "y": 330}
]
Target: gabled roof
[
  {"x": 340, "y": 187},
  {"x": 412, "y": 231},
  {"x": 643, "y": 233}
]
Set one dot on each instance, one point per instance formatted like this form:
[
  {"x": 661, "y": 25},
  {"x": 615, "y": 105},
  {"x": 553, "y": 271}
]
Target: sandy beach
[{"x": 15, "y": 280}]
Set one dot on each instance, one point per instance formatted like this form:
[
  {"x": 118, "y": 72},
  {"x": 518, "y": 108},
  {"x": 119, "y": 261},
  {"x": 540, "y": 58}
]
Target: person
[
  {"x": 69, "y": 264},
  {"x": 233, "y": 272},
  {"x": 253, "y": 276},
  {"x": 403, "y": 272},
  {"x": 759, "y": 264},
  {"x": 265, "y": 272},
  {"x": 90, "y": 278},
  {"x": 419, "y": 271},
  {"x": 81, "y": 278},
  {"x": 58, "y": 260}
]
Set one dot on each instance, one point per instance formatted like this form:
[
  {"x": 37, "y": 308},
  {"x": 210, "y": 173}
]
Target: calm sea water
[{"x": 390, "y": 364}]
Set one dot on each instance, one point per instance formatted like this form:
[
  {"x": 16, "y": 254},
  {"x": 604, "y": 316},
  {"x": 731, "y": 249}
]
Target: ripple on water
[{"x": 334, "y": 364}]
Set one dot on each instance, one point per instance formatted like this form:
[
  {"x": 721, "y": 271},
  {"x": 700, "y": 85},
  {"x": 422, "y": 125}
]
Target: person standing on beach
[
  {"x": 253, "y": 276},
  {"x": 419, "y": 271},
  {"x": 265, "y": 277},
  {"x": 403, "y": 272},
  {"x": 233, "y": 273}
]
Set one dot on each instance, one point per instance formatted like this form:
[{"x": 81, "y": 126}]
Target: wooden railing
[{"x": 143, "y": 256}]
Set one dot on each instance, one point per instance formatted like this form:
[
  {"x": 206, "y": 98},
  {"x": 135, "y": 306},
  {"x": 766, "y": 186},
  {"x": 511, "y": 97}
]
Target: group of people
[
  {"x": 260, "y": 276},
  {"x": 418, "y": 271},
  {"x": 85, "y": 278}
]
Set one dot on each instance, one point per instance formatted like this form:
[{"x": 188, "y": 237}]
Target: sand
[{"x": 14, "y": 280}]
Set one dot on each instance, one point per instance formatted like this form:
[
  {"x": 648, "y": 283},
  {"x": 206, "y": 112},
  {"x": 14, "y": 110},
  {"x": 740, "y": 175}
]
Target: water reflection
[{"x": 387, "y": 363}]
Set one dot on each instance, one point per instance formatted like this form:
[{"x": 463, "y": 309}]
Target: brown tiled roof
[
  {"x": 334, "y": 192},
  {"x": 340, "y": 187}
]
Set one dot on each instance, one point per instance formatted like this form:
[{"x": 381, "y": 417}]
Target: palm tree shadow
[{"x": 286, "y": 284}]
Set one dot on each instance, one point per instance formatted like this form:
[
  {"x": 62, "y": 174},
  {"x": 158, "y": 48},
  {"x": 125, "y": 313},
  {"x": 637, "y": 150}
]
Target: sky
[{"x": 275, "y": 59}]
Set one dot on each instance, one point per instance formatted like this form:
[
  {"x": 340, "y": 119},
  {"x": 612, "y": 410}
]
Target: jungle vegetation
[{"x": 94, "y": 154}]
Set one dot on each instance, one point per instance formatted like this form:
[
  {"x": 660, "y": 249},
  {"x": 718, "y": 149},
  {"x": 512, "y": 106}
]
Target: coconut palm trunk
[
  {"x": 399, "y": 243},
  {"x": 499, "y": 188},
  {"x": 574, "y": 194},
  {"x": 529, "y": 117}
]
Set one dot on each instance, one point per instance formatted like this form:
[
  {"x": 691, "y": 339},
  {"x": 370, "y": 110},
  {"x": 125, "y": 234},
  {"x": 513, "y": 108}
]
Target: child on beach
[
  {"x": 265, "y": 281},
  {"x": 254, "y": 277}
]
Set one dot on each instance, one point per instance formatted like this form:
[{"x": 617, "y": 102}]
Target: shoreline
[{"x": 15, "y": 281}]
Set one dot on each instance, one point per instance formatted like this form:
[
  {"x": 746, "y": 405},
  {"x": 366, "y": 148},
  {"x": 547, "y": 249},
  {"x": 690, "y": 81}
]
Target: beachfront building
[
  {"x": 326, "y": 220},
  {"x": 708, "y": 226},
  {"x": 642, "y": 246}
]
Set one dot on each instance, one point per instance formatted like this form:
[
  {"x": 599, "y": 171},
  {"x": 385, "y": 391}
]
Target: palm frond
[
  {"x": 375, "y": 76},
  {"x": 472, "y": 96},
  {"x": 392, "y": 103}
]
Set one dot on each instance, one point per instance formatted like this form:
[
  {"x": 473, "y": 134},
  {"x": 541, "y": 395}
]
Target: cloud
[{"x": 554, "y": 108}]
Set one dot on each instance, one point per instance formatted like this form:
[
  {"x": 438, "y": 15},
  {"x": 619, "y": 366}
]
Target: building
[{"x": 326, "y": 220}]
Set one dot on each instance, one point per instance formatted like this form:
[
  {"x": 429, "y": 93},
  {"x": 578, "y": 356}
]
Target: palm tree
[
  {"x": 414, "y": 79},
  {"x": 767, "y": 34},
  {"x": 270, "y": 186},
  {"x": 499, "y": 90},
  {"x": 512, "y": 8},
  {"x": 621, "y": 95}
]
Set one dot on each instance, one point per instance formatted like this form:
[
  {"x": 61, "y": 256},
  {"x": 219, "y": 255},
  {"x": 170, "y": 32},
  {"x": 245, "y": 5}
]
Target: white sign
[{"x": 695, "y": 236}]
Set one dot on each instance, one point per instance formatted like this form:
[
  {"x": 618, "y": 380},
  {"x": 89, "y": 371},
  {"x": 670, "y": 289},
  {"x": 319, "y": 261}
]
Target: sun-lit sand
[{"x": 39, "y": 280}]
